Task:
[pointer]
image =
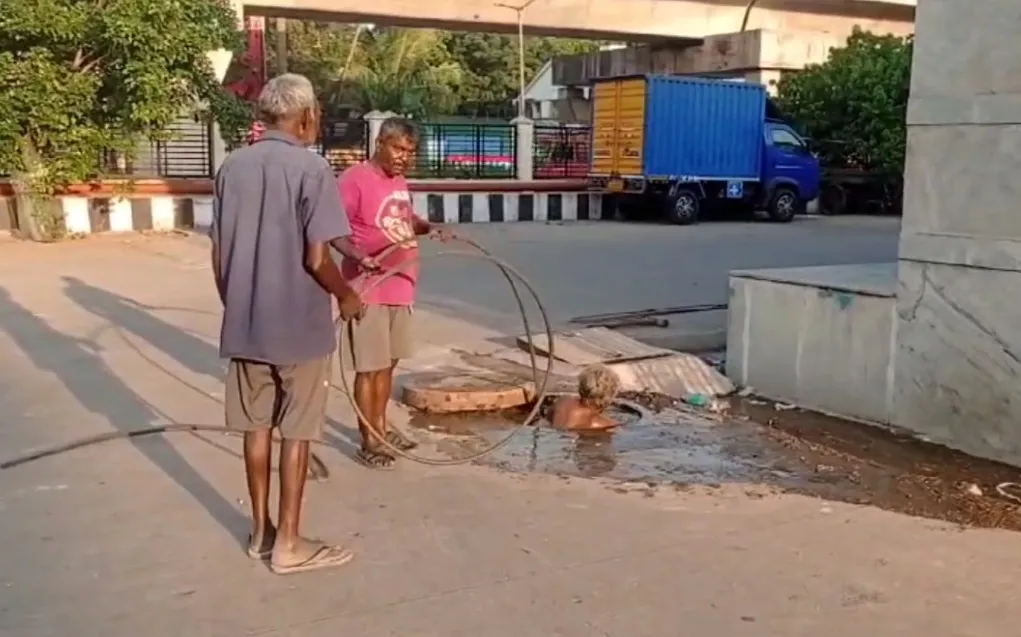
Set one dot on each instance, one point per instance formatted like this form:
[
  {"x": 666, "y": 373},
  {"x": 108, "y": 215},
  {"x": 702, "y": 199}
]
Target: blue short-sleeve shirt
[{"x": 270, "y": 199}]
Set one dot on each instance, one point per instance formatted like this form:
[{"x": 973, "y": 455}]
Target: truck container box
[{"x": 668, "y": 127}]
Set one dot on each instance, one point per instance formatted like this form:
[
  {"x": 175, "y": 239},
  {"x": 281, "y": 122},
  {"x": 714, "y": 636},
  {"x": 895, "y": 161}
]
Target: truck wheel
[
  {"x": 833, "y": 200},
  {"x": 684, "y": 208},
  {"x": 785, "y": 205}
]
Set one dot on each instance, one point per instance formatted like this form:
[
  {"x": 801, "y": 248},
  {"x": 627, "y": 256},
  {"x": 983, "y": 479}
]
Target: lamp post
[{"x": 520, "y": 11}]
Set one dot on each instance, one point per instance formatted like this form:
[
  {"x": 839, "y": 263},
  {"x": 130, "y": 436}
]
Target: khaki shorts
[
  {"x": 291, "y": 398},
  {"x": 380, "y": 337}
]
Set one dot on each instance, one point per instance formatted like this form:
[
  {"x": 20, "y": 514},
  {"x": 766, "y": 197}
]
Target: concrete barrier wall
[
  {"x": 821, "y": 338},
  {"x": 165, "y": 206}
]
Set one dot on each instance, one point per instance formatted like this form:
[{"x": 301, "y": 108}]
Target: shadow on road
[
  {"x": 188, "y": 350},
  {"x": 98, "y": 388}
]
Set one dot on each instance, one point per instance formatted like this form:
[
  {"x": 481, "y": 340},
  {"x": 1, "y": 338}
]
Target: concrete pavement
[{"x": 144, "y": 537}]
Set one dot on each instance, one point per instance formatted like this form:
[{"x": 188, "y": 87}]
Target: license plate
[{"x": 615, "y": 185}]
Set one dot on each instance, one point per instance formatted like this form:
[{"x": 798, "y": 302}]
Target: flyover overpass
[{"x": 622, "y": 20}]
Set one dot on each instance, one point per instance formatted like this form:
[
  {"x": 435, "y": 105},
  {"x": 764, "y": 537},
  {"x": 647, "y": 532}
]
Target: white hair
[{"x": 285, "y": 96}]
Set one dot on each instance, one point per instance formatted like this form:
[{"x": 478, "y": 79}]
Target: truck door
[
  {"x": 605, "y": 98},
  {"x": 787, "y": 160},
  {"x": 630, "y": 125}
]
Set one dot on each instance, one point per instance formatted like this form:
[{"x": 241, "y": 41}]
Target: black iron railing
[
  {"x": 561, "y": 152},
  {"x": 344, "y": 142},
  {"x": 466, "y": 151},
  {"x": 187, "y": 154}
]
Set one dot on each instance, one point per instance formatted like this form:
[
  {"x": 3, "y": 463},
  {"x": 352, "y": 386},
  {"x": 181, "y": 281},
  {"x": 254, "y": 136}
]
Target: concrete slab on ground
[
  {"x": 591, "y": 345},
  {"x": 677, "y": 375}
]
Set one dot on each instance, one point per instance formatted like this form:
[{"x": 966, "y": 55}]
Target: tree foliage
[
  {"x": 417, "y": 71},
  {"x": 80, "y": 77},
  {"x": 490, "y": 62},
  {"x": 405, "y": 71},
  {"x": 854, "y": 105}
]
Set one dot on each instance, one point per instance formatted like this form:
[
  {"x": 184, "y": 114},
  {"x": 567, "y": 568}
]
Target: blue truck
[{"x": 685, "y": 145}]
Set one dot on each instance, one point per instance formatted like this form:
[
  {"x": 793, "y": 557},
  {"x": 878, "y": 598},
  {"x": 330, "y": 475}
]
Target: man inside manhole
[
  {"x": 598, "y": 386},
  {"x": 379, "y": 210}
]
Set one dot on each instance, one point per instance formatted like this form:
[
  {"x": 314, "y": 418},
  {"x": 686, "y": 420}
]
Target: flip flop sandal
[
  {"x": 323, "y": 557},
  {"x": 264, "y": 550},
  {"x": 399, "y": 440},
  {"x": 377, "y": 460}
]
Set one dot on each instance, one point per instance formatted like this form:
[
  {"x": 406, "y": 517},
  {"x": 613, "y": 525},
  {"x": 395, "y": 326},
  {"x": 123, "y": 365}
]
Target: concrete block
[
  {"x": 819, "y": 337},
  {"x": 950, "y": 190}
]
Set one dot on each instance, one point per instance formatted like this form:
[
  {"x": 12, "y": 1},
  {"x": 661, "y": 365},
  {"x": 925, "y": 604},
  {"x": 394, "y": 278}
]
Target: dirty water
[{"x": 755, "y": 442}]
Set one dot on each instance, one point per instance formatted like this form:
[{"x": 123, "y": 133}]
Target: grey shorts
[
  {"x": 381, "y": 336},
  {"x": 291, "y": 398}
]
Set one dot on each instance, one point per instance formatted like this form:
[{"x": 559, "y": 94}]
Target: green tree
[
  {"x": 490, "y": 64},
  {"x": 854, "y": 105},
  {"x": 320, "y": 51},
  {"x": 406, "y": 71},
  {"x": 418, "y": 71},
  {"x": 400, "y": 70},
  {"x": 82, "y": 77}
]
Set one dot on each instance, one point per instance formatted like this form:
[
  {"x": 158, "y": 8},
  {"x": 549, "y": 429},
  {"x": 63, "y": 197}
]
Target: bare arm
[
  {"x": 423, "y": 227},
  {"x": 345, "y": 246},
  {"x": 420, "y": 225},
  {"x": 599, "y": 421}
]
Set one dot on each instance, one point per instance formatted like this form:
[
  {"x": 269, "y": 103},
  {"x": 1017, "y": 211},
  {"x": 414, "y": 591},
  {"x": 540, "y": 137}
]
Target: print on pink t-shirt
[{"x": 379, "y": 211}]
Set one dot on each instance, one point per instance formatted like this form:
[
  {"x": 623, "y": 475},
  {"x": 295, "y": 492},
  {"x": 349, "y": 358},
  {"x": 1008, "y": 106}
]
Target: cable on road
[{"x": 540, "y": 377}]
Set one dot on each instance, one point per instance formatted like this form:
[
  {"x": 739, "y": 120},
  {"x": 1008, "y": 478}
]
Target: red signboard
[{"x": 253, "y": 60}]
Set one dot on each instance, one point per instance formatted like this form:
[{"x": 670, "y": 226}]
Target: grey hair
[
  {"x": 398, "y": 127},
  {"x": 285, "y": 96}
]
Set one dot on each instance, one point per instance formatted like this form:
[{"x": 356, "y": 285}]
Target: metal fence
[
  {"x": 344, "y": 142},
  {"x": 561, "y": 152},
  {"x": 466, "y": 151},
  {"x": 188, "y": 154}
]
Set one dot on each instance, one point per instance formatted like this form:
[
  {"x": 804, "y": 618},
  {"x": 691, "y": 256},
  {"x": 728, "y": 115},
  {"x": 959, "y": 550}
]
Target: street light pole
[
  {"x": 521, "y": 63},
  {"x": 520, "y": 11}
]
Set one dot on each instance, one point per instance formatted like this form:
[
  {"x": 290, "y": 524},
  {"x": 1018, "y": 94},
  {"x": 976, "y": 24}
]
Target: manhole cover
[{"x": 451, "y": 392}]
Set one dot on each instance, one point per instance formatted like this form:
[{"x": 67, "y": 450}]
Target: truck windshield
[{"x": 786, "y": 138}]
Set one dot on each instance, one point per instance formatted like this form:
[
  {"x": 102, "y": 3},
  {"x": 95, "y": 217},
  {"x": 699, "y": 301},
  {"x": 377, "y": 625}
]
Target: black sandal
[
  {"x": 373, "y": 459},
  {"x": 400, "y": 441}
]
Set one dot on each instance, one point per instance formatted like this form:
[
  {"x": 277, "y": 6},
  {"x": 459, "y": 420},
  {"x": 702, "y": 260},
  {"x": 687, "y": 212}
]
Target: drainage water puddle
[{"x": 792, "y": 450}]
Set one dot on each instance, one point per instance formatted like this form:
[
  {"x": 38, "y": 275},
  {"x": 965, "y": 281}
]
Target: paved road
[
  {"x": 144, "y": 537},
  {"x": 596, "y": 267}
]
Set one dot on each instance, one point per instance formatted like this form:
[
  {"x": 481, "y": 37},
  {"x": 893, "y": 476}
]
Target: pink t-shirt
[{"x": 379, "y": 211}]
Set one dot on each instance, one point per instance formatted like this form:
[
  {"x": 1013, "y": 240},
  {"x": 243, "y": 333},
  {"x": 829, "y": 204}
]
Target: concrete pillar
[
  {"x": 220, "y": 59},
  {"x": 217, "y": 148},
  {"x": 524, "y": 141},
  {"x": 957, "y": 347},
  {"x": 375, "y": 120}
]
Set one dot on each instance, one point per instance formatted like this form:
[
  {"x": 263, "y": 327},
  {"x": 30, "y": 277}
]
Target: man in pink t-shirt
[{"x": 378, "y": 206}]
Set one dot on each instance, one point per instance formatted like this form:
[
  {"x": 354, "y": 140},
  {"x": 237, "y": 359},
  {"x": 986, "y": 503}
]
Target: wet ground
[{"x": 754, "y": 442}]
